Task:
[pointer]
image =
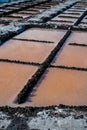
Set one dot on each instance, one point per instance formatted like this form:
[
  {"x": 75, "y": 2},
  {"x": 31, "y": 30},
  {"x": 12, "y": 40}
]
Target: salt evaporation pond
[
  {"x": 59, "y": 86},
  {"x": 25, "y": 51},
  {"x": 73, "y": 56},
  {"x": 42, "y": 34},
  {"x": 13, "y": 77}
]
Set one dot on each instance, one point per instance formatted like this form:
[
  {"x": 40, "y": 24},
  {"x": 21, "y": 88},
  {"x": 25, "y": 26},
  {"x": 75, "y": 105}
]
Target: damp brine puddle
[
  {"x": 73, "y": 56},
  {"x": 13, "y": 77},
  {"x": 59, "y": 86},
  {"x": 25, "y": 51},
  {"x": 42, "y": 34}
]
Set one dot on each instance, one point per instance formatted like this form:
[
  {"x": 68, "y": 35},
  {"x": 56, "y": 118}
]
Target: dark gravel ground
[{"x": 44, "y": 118}]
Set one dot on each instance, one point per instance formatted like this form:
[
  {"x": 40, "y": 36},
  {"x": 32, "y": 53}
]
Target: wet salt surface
[
  {"x": 13, "y": 77},
  {"x": 25, "y": 51},
  {"x": 59, "y": 86},
  {"x": 42, "y": 34}
]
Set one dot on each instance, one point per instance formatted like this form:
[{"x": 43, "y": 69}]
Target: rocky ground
[{"x": 49, "y": 118}]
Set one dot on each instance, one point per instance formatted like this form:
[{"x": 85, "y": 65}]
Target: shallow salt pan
[
  {"x": 42, "y": 34},
  {"x": 25, "y": 51},
  {"x": 73, "y": 56},
  {"x": 21, "y": 15},
  {"x": 65, "y": 19},
  {"x": 61, "y": 23},
  {"x": 59, "y": 86},
  {"x": 10, "y": 18},
  {"x": 78, "y": 37},
  {"x": 13, "y": 77}
]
